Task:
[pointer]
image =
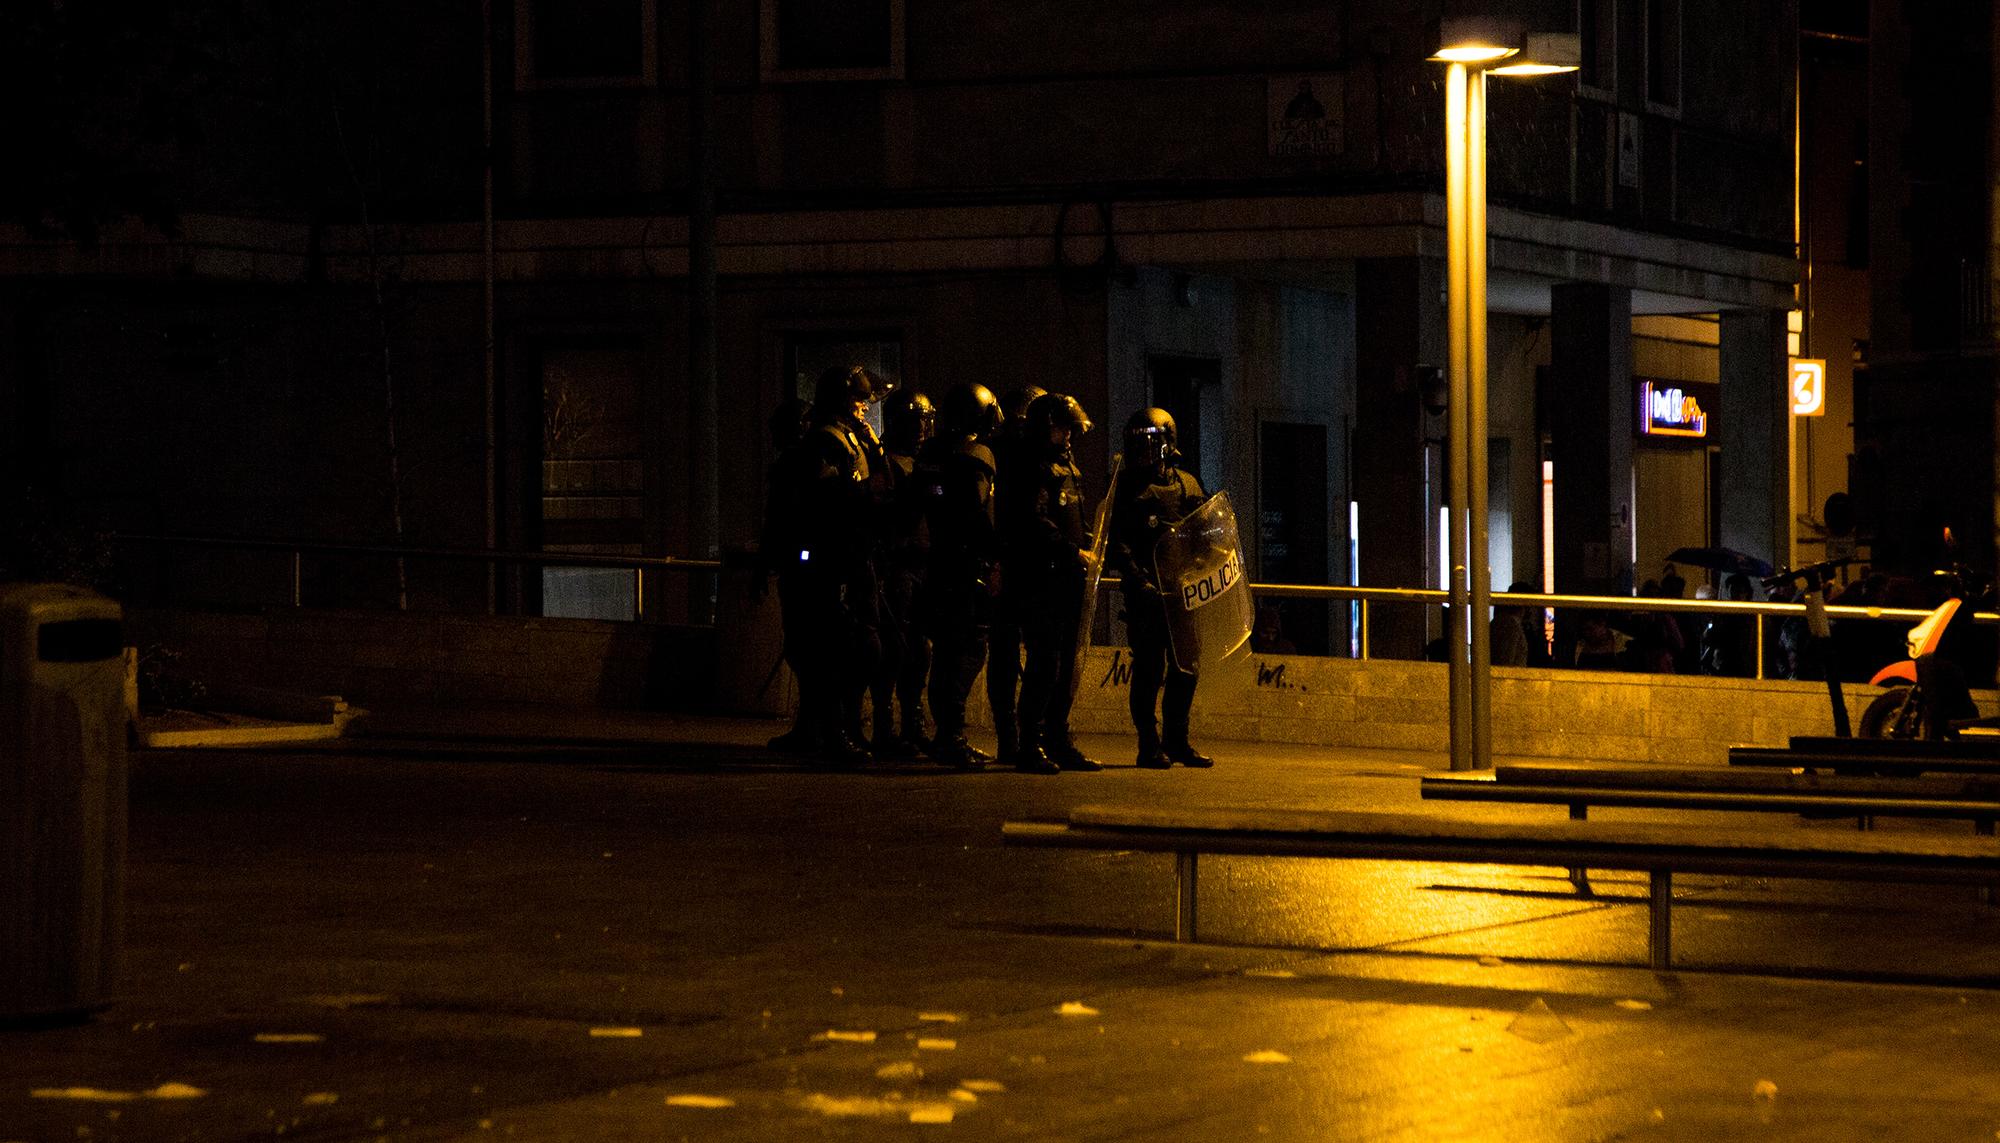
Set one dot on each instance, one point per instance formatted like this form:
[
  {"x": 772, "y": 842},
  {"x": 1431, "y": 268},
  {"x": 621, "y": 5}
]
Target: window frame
[
  {"x": 1606, "y": 53},
  {"x": 1679, "y": 9},
  {"x": 525, "y": 78},
  {"x": 767, "y": 52}
]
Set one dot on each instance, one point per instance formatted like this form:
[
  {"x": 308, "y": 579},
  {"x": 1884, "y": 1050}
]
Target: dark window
[
  {"x": 1663, "y": 52},
  {"x": 588, "y": 39},
  {"x": 1597, "y": 37},
  {"x": 831, "y": 35}
]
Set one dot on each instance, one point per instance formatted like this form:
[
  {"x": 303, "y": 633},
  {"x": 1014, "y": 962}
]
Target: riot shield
[
  {"x": 1093, "y": 572},
  {"x": 1199, "y": 564}
]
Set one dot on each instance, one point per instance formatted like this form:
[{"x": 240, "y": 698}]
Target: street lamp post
[{"x": 1472, "y": 49}]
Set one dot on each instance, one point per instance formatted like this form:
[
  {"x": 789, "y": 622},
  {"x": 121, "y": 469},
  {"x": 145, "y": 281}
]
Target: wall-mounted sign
[
  {"x": 1671, "y": 409},
  {"x": 1808, "y": 387},
  {"x": 1306, "y": 115}
]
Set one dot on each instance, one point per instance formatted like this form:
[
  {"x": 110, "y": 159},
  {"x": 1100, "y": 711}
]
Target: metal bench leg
[
  {"x": 1184, "y": 878},
  {"x": 1660, "y": 929},
  {"x": 1578, "y": 875}
]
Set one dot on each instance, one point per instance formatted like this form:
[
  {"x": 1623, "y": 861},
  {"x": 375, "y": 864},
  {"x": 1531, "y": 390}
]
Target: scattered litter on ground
[
  {"x": 861, "y": 1037},
  {"x": 1659, "y": 1115},
  {"x": 1267, "y": 1056},
  {"x": 348, "y": 999},
  {"x": 963, "y": 1096},
  {"x": 1634, "y": 1005},
  {"x": 899, "y": 1070},
  {"x": 936, "y": 1044},
  {"x": 616, "y": 1033},
  {"x": 938, "y": 1017},
  {"x": 983, "y": 1086},
  {"x": 288, "y": 1038},
  {"x": 1538, "y": 1024},
  {"x": 175, "y": 1091},
  {"x": 1765, "y": 1090},
  {"x": 707, "y": 1102},
  {"x": 87, "y": 1094},
  {"x": 874, "y": 1107},
  {"x": 1075, "y": 1008}
]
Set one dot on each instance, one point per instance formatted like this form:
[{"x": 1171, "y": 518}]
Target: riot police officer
[
  {"x": 843, "y": 477},
  {"x": 778, "y": 547},
  {"x": 1045, "y": 561},
  {"x": 1153, "y": 494},
  {"x": 956, "y": 472},
  {"x": 1003, "y": 663},
  {"x": 908, "y": 421}
]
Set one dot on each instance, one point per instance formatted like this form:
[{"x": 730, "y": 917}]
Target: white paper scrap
[
  {"x": 862, "y": 1037},
  {"x": 708, "y": 1102},
  {"x": 1267, "y": 1057},
  {"x": 1075, "y": 1008}
]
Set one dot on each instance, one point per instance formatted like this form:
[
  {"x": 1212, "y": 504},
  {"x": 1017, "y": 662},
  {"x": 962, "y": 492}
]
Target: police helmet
[
  {"x": 1015, "y": 404},
  {"x": 908, "y": 418},
  {"x": 969, "y": 410},
  {"x": 787, "y": 422},
  {"x": 1150, "y": 438},
  {"x": 840, "y": 387},
  {"x": 1055, "y": 410}
]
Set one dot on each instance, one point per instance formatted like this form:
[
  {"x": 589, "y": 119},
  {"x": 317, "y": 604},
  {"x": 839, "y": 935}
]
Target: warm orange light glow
[
  {"x": 1472, "y": 53},
  {"x": 1530, "y": 69}
]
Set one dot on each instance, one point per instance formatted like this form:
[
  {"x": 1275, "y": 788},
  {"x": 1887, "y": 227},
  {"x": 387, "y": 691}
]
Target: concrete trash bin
[{"x": 62, "y": 800}]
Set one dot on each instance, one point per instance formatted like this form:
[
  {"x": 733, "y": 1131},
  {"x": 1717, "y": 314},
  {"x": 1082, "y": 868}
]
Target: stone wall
[
  {"x": 1582, "y": 715},
  {"x": 424, "y": 658},
  {"x": 380, "y": 657}
]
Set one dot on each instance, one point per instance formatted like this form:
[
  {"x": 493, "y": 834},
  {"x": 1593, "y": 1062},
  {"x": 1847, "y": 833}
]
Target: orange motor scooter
[{"x": 1898, "y": 712}]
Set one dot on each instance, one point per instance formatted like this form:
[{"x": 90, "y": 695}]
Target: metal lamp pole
[{"x": 1471, "y": 583}]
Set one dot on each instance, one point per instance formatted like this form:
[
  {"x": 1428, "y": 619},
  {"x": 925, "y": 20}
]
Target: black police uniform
[
  {"x": 957, "y": 478},
  {"x": 837, "y": 576},
  {"x": 1142, "y": 509},
  {"x": 1043, "y": 568},
  {"x": 901, "y": 567},
  {"x": 1003, "y": 637}
]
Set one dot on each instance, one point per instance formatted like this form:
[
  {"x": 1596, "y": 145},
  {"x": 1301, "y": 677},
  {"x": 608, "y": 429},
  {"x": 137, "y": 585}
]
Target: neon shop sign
[{"x": 1667, "y": 410}]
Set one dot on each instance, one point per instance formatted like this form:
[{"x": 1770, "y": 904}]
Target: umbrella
[{"x": 1726, "y": 560}]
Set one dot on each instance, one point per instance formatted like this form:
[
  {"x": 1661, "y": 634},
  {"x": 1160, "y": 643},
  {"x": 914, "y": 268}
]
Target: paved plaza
[{"x": 546, "y": 925}]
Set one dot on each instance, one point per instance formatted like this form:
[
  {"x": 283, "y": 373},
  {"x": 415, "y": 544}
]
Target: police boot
[
  {"x": 839, "y": 751},
  {"x": 957, "y": 753},
  {"x": 1068, "y": 757},
  {"x": 1188, "y": 756},
  {"x": 1151, "y": 757},
  {"x": 1030, "y": 758}
]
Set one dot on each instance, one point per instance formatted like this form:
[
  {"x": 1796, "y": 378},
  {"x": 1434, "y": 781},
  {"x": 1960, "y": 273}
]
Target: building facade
[{"x": 1232, "y": 213}]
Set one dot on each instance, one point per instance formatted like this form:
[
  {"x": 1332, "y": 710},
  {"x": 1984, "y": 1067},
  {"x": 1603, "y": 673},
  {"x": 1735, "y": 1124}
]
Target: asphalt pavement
[{"x": 566, "y": 925}]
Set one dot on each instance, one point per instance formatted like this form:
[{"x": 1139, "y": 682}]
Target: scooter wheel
[{"x": 1895, "y": 713}]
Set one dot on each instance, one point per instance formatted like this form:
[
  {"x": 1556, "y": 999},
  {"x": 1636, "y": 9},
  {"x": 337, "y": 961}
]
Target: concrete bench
[
  {"x": 1579, "y": 787},
  {"x": 1966, "y": 746},
  {"x": 1660, "y": 851},
  {"x": 1906, "y": 758}
]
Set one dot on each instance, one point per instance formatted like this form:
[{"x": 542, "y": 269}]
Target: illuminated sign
[
  {"x": 1808, "y": 387},
  {"x": 1667, "y": 410}
]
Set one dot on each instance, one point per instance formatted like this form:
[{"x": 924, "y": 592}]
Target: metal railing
[
  {"x": 297, "y": 550},
  {"x": 1366, "y": 597}
]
